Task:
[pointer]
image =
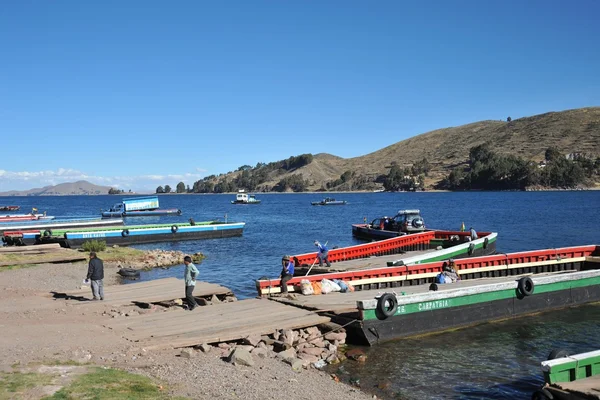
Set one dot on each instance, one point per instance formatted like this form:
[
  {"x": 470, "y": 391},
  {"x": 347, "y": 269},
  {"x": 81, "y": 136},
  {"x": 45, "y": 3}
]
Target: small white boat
[{"x": 244, "y": 198}]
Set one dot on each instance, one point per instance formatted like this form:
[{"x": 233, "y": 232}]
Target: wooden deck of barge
[{"x": 358, "y": 264}]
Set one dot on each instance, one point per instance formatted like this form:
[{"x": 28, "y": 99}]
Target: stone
[
  {"x": 241, "y": 356},
  {"x": 223, "y": 345},
  {"x": 332, "y": 359},
  {"x": 202, "y": 301},
  {"x": 313, "y": 330},
  {"x": 288, "y": 337},
  {"x": 205, "y": 348},
  {"x": 318, "y": 343},
  {"x": 280, "y": 346},
  {"x": 267, "y": 340},
  {"x": 319, "y": 364},
  {"x": 297, "y": 365},
  {"x": 354, "y": 353},
  {"x": 231, "y": 299},
  {"x": 332, "y": 348},
  {"x": 276, "y": 335},
  {"x": 259, "y": 352},
  {"x": 187, "y": 353},
  {"x": 287, "y": 355},
  {"x": 315, "y": 351},
  {"x": 179, "y": 302},
  {"x": 246, "y": 347},
  {"x": 339, "y": 336},
  {"x": 308, "y": 357},
  {"x": 252, "y": 340},
  {"x": 214, "y": 299}
]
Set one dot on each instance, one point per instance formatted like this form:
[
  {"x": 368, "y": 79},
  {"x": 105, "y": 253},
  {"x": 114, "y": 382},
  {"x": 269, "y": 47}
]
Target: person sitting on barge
[{"x": 287, "y": 272}]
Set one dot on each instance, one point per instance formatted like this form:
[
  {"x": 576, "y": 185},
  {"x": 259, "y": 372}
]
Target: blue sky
[{"x": 137, "y": 94}]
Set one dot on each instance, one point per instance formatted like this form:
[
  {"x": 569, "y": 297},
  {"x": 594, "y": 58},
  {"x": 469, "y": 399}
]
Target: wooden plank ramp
[
  {"x": 214, "y": 324},
  {"x": 155, "y": 291}
]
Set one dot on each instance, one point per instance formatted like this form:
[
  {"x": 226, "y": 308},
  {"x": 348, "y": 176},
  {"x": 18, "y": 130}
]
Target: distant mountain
[{"x": 63, "y": 189}]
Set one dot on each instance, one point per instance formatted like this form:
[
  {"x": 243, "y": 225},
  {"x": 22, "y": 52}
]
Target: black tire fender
[
  {"x": 128, "y": 272},
  {"x": 433, "y": 287},
  {"x": 387, "y": 304},
  {"x": 542, "y": 394},
  {"x": 485, "y": 243},
  {"x": 174, "y": 228},
  {"x": 47, "y": 233},
  {"x": 526, "y": 286},
  {"x": 125, "y": 232},
  {"x": 471, "y": 249},
  {"x": 178, "y": 212},
  {"x": 558, "y": 353}
]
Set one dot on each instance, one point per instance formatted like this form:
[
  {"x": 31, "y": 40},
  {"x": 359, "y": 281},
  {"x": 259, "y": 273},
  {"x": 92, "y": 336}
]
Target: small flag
[
  {"x": 34, "y": 209},
  {"x": 462, "y": 228}
]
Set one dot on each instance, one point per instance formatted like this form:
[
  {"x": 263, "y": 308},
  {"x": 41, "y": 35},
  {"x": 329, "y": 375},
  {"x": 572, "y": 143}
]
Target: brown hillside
[{"x": 571, "y": 131}]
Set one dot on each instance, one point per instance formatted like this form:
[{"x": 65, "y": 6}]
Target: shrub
[{"x": 94, "y": 245}]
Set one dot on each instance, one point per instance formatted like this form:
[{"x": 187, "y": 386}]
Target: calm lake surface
[{"x": 497, "y": 360}]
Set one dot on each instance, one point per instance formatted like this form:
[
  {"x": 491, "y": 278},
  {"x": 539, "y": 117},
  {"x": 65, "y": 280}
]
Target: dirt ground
[{"x": 38, "y": 328}]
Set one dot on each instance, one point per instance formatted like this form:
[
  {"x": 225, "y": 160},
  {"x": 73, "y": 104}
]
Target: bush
[{"x": 94, "y": 245}]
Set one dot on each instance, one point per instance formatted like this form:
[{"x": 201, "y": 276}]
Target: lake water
[{"x": 498, "y": 360}]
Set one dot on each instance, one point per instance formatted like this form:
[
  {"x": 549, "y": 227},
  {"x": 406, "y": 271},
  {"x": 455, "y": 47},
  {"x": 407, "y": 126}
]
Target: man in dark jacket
[{"x": 96, "y": 274}]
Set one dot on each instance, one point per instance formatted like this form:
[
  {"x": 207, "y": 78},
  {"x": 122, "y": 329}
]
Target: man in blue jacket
[
  {"x": 323, "y": 254},
  {"x": 287, "y": 272}
]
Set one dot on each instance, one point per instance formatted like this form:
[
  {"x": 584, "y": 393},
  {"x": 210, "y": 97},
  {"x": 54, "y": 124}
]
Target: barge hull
[
  {"x": 154, "y": 238},
  {"x": 377, "y": 331}
]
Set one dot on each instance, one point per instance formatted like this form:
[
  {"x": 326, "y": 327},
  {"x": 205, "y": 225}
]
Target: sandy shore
[{"x": 36, "y": 327}]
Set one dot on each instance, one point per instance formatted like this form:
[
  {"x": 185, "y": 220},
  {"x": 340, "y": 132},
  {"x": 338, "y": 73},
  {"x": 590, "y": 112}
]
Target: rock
[
  {"x": 187, "y": 353},
  {"x": 205, "y": 348},
  {"x": 313, "y": 330},
  {"x": 230, "y": 299},
  {"x": 287, "y": 355},
  {"x": 259, "y": 352},
  {"x": 319, "y": 364},
  {"x": 179, "y": 302},
  {"x": 339, "y": 336},
  {"x": 332, "y": 359},
  {"x": 318, "y": 343},
  {"x": 132, "y": 313},
  {"x": 308, "y": 357},
  {"x": 297, "y": 365},
  {"x": 353, "y": 354},
  {"x": 267, "y": 340},
  {"x": 202, "y": 301},
  {"x": 288, "y": 337},
  {"x": 214, "y": 299},
  {"x": 276, "y": 335},
  {"x": 280, "y": 346},
  {"x": 252, "y": 340},
  {"x": 246, "y": 347},
  {"x": 315, "y": 351},
  {"x": 241, "y": 356},
  {"x": 332, "y": 348},
  {"x": 224, "y": 346}
]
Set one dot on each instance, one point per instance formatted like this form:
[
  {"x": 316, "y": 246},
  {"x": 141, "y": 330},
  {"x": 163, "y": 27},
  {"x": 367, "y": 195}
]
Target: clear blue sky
[{"x": 142, "y": 93}]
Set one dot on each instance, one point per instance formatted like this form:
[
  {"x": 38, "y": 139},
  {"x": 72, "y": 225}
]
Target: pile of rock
[
  {"x": 303, "y": 348},
  {"x": 161, "y": 258}
]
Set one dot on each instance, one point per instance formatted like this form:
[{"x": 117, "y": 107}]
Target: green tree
[
  {"x": 180, "y": 187},
  {"x": 167, "y": 189},
  {"x": 160, "y": 189}
]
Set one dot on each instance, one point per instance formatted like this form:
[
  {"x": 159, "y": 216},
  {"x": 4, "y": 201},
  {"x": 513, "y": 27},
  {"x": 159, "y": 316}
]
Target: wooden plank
[
  {"x": 156, "y": 291},
  {"x": 216, "y": 323}
]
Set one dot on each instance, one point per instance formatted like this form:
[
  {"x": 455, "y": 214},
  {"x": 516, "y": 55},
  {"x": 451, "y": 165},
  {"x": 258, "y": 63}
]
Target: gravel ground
[{"x": 37, "y": 327}]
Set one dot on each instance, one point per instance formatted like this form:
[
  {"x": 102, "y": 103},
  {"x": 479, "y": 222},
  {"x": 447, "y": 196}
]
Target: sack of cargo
[
  {"x": 316, "y": 287},
  {"x": 350, "y": 287},
  {"x": 306, "y": 287},
  {"x": 328, "y": 286}
]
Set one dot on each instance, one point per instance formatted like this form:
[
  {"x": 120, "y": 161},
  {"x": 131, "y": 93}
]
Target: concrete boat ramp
[{"x": 174, "y": 327}]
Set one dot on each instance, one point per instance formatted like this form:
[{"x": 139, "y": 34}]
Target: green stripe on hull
[
  {"x": 483, "y": 297},
  {"x": 453, "y": 254}
]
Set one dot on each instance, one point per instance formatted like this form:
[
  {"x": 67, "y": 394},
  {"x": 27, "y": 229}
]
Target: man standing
[
  {"x": 96, "y": 274},
  {"x": 323, "y": 254},
  {"x": 473, "y": 234},
  {"x": 191, "y": 272}
]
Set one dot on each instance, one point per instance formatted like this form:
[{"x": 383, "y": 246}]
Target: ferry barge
[
  {"x": 136, "y": 234},
  {"x": 394, "y": 302}
]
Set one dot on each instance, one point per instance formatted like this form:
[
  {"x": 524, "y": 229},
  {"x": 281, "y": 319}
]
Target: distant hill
[
  {"x": 63, "y": 189},
  {"x": 571, "y": 132}
]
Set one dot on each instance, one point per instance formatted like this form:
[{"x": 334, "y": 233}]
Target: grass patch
[
  {"x": 113, "y": 384},
  {"x": 13, "y": 385},
  {"x": 120, "y": 254}
]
